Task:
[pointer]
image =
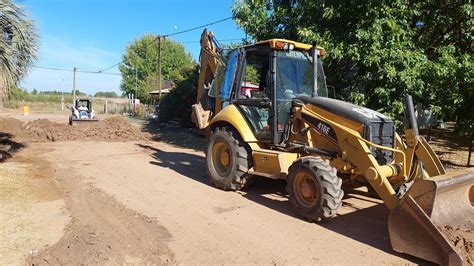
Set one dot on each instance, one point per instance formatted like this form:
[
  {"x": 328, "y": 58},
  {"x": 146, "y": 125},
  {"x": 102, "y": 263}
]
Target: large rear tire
[
  {"x": 314, "y": 188},
  {"x": 228, "y": 160}
]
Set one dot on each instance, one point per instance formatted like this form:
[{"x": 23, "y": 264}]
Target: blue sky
[{"x": 92, "y": 35}]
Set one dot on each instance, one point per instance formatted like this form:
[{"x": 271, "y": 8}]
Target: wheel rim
[
  {"x": 305, "y": 189},
  {"x": 221, "y": 158}
]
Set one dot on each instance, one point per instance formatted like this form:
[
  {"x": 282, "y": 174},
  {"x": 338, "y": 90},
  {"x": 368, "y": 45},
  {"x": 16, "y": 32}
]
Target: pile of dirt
[
  {"x": 463, "y": 240},
  {"x": 110, "y": 129},
  {"x": 9, "y": 127}
]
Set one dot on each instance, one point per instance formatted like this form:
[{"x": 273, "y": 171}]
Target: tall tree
[
  {"x": 140, "y": 61},
  {"x": 378, "y": 50},
  {"x": 18, "y": 46}
]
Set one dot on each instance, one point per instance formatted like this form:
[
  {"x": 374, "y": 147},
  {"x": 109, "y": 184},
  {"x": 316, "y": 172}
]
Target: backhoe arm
[{"x": 209, "y": 60}]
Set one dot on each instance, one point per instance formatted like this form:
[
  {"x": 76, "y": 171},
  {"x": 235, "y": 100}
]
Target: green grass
[
  {"x": 38, "y": 107},
  {"x": 51, "y": 104}
]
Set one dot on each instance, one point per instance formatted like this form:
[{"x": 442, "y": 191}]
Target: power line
[
  {"x": 172, "y": 34},
  {"x": 118, "y": 74},
  {"x": 146, "y": 46},
  {"x": 198, "y": 27},
  {"x": 223, "y": 40},
  {"x": 79, "y": 71}
]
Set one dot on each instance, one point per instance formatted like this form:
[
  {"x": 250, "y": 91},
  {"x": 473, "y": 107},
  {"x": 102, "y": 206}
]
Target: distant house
[{"x": 155, "y": 95}]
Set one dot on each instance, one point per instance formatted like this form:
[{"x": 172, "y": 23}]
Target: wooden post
[
  {"x": 133, "y": 104},
  {"x": 62, "y": 101},
  {"x": 470, "y": 151},
  {"x": 74, "y": 85},
  {"x": 105, "y": 106},
  {"x": 159, "y": 67}
]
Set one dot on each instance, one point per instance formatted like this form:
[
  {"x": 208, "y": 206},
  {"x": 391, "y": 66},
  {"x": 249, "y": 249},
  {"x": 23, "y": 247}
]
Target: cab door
[{"x": 252, "y": 93}]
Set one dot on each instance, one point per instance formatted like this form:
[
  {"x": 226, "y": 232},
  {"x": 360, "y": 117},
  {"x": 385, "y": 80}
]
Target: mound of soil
[
  {"x": 10, "y": 125},
  {"x": 8, "y": 146},
  {"x": 462, "y": 240},
  {"x": 110, "y": 129}
]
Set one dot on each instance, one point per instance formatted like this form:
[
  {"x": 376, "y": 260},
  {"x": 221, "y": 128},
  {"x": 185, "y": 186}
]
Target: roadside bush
[
  {"x": 140, "y": 111},
  {"x": 177, "y": 104},
  {"x": 12, "y": 104},
  {"x": 106, "y": 94}
]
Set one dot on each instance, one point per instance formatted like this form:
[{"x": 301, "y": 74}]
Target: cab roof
[{"x": 298, "y": 45}]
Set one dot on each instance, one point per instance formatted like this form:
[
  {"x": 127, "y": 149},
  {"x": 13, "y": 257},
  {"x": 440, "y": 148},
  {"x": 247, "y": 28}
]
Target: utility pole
[
  {"x": 62, "y": 101},
  {"x": 159, "y": 68},
  {"x": 74, "y": 85}
]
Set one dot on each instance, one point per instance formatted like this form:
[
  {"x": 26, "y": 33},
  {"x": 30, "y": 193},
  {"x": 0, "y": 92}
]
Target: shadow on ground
[
  {"x": 8, "y": 147},
  {"x": 187, "y": 164},
  {"x": 366, "y": 225},
  {"x": 181, "y": 137}
]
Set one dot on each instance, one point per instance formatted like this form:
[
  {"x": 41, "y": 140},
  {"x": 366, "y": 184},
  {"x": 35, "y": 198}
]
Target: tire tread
[
  {"x": 332, "y": 192},
  {"x": 240, "y": 177}
]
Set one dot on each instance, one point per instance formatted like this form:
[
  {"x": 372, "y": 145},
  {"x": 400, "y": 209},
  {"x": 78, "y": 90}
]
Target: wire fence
[{"x": 454, "y": 151}]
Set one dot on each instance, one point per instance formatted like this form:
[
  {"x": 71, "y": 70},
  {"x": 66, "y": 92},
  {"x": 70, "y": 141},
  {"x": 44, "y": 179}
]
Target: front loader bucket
[
  {"x": 73, "y": 122},
  {"x": 422, "y": 224}
]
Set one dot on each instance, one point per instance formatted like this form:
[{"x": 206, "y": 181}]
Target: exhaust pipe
[
  {"x": 315, "y": 54},
  {"x": 410, "y": 118}
]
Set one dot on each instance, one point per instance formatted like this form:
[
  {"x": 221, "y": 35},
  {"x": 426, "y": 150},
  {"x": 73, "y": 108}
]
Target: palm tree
[{"x": 18, "y": 46}]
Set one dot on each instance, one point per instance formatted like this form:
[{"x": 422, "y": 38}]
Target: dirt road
[
  {"x": 211, "y": 226},
  {"x": 148, "y": 201}
]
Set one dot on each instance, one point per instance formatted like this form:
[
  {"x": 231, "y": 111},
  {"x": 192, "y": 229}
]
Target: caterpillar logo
[
  {"x": 321, "y": 127},
  {"x": 366, "y": 112}
]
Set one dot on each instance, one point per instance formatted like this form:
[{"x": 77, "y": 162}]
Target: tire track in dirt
[
  {"x": 103, "y": 230},
  {"x": 32, "y": 212}
]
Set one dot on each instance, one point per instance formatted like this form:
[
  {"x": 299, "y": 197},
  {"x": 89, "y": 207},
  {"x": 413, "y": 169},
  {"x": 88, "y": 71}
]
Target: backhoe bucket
[{"x": 432, "y": 207}]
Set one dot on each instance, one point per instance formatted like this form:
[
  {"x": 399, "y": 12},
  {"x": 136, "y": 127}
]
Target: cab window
[{"x": 225, "y": 74}]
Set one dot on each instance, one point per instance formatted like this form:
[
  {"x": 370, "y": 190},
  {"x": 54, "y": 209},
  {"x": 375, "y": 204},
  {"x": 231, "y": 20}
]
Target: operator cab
[
  {"x": 262, "y": 81},
  {"x": 84, "y": 105}
]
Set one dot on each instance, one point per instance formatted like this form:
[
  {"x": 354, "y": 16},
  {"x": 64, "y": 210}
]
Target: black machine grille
[{"x": 381, "y": 133}]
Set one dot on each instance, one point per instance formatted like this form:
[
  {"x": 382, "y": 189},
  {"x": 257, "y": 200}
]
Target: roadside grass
[
  {"x": 51, "y": 104},
  {"x": 38, "y": 107}
]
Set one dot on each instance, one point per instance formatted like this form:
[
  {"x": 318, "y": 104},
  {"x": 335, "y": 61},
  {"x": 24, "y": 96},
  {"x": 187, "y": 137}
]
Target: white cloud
[{"x": 56, "y": 52}]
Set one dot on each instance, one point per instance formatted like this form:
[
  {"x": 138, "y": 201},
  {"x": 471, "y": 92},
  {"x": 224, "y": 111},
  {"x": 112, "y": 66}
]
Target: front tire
[
  {"x": 228, "y": 160},
  {"x": 314, "y": 188}
]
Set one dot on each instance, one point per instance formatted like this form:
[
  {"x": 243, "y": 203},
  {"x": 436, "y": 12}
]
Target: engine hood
[{"x": 347, "y": 110}]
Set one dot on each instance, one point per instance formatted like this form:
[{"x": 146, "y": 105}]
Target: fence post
[
  {"x": 470, "y": 151},
  {"x": 62, "y": 101},
  {"x": 106, "y": 109}
]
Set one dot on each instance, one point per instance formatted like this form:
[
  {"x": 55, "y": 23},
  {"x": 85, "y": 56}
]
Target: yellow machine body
[{"x": 435, "y": 199}]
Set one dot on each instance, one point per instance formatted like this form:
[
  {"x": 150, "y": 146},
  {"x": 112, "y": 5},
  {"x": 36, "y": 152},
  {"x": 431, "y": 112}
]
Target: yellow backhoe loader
[{"x": 266, "y": 112}]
